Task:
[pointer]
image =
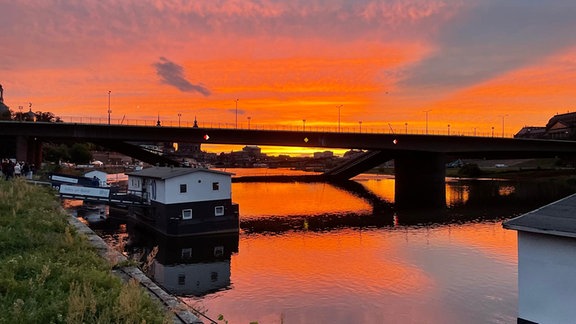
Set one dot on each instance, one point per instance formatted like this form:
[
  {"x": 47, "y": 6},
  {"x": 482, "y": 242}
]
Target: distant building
[
  {"x": 252, "y": 150},
  {"x": 561, "y": 126},
  {"x": 531, "y": 132},
  {"x": 5, "y": 113},
  {"x": 189, "y": 149},
  {"x": 352, "y": 153},
  {"x": 323, "y": 155}
]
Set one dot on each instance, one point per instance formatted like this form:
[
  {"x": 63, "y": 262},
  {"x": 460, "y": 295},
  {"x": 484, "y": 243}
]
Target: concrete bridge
[{"x": 419, "y": 159}]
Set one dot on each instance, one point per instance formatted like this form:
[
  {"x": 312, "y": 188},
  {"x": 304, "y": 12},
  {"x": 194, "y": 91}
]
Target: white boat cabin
[
  {"x": 547, "y": 263},
  {"x": 101, "y": 176},
  {"x": 166, "y": 185}
]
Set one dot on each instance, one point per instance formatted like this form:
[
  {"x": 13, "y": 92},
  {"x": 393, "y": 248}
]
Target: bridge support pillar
[
  {"x": 420, "y": 180},
  {"x": 29, "y": 149}
]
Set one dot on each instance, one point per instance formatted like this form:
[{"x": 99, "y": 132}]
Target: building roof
[
  {"x": 169, "y": 172},
  {"x": 557, "y": 218},
  {"x": 567, "y": 120},
  {"x": 530, "y": 130}
]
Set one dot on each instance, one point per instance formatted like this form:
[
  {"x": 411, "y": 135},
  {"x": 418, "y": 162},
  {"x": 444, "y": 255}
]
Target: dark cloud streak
[
  {"x": 173, "y": 74},
  {"x": 493, "y": 38}
]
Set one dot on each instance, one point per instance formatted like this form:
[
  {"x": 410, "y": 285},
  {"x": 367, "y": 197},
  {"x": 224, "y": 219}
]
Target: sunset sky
[{"x": 387, "y": 64}]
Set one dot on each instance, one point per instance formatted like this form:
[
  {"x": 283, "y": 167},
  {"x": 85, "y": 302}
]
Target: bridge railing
[{"x": 390, "y": 129}]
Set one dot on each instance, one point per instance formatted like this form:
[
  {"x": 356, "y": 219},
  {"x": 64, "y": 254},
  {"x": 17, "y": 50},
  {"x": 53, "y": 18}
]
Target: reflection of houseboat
[
  {"x": 184, "y": 201},
  {"x": 195, "y": 265},
  {"x": 92, "y": 213}
]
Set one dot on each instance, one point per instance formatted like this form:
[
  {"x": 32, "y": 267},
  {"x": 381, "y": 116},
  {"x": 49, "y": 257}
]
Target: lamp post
[
  {"x": 339, "y": 107},
  {"x": 503, "y": 124},
  {"x": 109, "y": 111},
  {"x": 303, "y": 125},
  {"x": 427, "y": 111},
  {"x": 249, "y": 121},
  {"x": 237, "y": 112},
  {"x": 360, "y": 124},
  {"x": 492, "y": 131},
  {"x": 448, "y": 129},
  {"x": 179, "y": 115},
  {"x": 406, "y": 128},
  {"x": 20, "y": 108}
]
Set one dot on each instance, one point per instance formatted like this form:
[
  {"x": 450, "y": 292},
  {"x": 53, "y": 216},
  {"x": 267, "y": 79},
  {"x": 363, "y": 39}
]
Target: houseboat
[
  {"x": 183, "y": 201},
  {"x": 546, "y": 263}
]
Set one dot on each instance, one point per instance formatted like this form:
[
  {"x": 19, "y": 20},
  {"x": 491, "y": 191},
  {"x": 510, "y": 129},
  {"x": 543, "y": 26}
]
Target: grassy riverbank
[{"x": 50, "y": 274}]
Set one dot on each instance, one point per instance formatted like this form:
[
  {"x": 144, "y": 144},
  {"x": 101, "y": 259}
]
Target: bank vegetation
[{"x": 51, "y": 274}]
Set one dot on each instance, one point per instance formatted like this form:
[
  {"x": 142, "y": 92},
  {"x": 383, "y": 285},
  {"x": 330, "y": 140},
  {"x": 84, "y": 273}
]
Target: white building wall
[
  {"x": 198, "y": 188},
  {"x": 546, "y": 278},
  {"x": 102, "y": 177},
  {"x": 198, "y": 278}
]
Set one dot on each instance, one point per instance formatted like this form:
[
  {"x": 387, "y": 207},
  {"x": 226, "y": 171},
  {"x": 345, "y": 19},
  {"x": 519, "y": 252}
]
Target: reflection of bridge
[{"x": 419, "y": 159}]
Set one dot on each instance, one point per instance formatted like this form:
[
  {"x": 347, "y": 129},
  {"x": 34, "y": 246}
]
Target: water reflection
[
  {"x": 193, "y": 266},
  {"x": 369, "y": 204},
  {"x": 321, "y": 253}
]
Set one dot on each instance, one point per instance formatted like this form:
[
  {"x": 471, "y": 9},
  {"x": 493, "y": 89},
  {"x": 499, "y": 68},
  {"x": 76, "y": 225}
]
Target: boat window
[
  {"x": 215, "y": 186},
  {"x": 183, "y": 188},
  {"x": 186, "y": 253},
  {"x": 186, "y": 213},
  {"x": 219, "y": 211}
]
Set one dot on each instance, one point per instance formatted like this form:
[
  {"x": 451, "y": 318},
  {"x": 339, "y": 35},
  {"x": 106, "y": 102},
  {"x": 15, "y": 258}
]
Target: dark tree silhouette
[{"x": 38, "y": 116}]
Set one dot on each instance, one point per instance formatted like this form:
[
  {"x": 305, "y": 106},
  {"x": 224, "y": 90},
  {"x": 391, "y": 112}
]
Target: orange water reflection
[
  {"x": 348, "y": 275},
  {"x": 456, "y": 265},
  {"x": 284, "y": 199}
]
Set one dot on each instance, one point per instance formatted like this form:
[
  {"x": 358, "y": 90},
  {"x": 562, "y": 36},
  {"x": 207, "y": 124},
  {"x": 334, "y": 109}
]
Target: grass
[{"x": 50, "y": 274}]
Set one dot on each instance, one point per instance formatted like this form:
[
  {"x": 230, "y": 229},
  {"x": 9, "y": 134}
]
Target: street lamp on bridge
[
  {"x": 339, "y": 107},
  {"x": 179, "y": 115},
  {"x": 427, "y": 111},
  {"x": 360, "y": 124},
  {"x": 249, "y": 121},
  {"x": 503, "y": 123},
  {"x": 237, "y": 112},
  {"x": 109, "y": 111},
  {"x": 303, "y": 125}
]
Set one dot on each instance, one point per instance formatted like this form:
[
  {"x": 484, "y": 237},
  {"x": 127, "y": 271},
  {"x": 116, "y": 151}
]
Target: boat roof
[
  {"x": 557, "y": 218},
  {"x": 171, "y": 172}
]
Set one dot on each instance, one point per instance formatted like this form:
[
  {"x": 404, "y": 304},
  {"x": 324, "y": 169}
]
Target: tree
[
  {"x": 47, "y": 117},
  {"x": 39, "y": 116},
  {"x": 80, "y": 153},
  {"x": 55, "y": 153}
]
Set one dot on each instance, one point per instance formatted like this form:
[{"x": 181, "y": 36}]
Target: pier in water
[{"x": 319, "y": 253}]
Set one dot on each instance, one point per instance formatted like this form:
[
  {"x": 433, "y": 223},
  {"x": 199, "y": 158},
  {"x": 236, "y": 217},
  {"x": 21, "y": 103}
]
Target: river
[{"x": 316, "y": 253}]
